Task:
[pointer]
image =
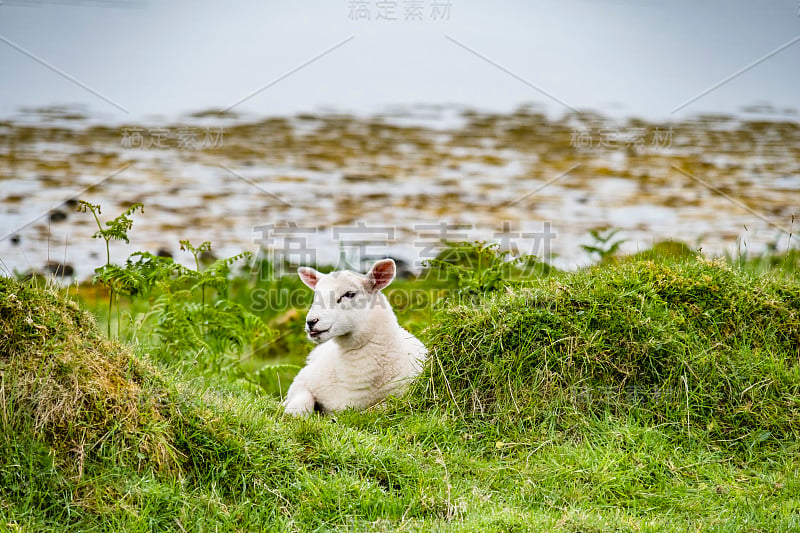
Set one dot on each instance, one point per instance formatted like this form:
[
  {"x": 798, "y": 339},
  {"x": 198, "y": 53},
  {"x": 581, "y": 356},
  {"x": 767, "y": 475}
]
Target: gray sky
[{"x": 163, "y": 58}]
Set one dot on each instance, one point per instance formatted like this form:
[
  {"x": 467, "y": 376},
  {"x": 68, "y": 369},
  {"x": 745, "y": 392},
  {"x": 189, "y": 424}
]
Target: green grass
[
  {"x": 646, "y": 395},
  {"x": 688, "y": 345}
]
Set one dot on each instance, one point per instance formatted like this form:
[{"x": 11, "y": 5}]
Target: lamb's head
[{"x": 345, "y": 302}]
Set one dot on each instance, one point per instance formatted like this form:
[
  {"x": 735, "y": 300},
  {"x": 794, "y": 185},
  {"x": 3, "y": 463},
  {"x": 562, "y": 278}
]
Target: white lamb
[{"x": 363, "y": 354}]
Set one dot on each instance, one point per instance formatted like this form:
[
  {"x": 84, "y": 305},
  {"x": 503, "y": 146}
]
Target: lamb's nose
[{"x": 311, "y": 322}]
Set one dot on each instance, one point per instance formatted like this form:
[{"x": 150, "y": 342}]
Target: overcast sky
[{"x": 164, "y": 58}]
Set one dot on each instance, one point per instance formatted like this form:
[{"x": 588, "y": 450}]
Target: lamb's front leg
[{"x": 299, "y": 401}]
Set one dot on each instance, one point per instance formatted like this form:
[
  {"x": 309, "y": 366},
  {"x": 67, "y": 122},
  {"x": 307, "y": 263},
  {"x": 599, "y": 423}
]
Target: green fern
[
  {"x": 212, "y": 333},
  {"x": 603, "y": 246},
  {"x": 113, "y": 277},
  {"x": 156, "y": 272}
]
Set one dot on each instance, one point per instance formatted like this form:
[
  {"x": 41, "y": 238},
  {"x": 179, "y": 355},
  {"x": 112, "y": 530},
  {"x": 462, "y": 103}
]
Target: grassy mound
[
  {"x": 93, "y": 439},
  {"x": 65, "y": 384},
  {"x": 693, "y": 344}
]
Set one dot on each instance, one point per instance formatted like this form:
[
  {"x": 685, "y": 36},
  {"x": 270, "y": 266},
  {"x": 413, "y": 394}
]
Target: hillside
[{"x": 644, "y": 395}]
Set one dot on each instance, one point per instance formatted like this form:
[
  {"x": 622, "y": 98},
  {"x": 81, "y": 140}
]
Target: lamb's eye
[{"x": 348, "y": 295}]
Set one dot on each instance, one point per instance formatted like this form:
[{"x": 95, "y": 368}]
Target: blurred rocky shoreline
[{"x": 328, "y": 187}]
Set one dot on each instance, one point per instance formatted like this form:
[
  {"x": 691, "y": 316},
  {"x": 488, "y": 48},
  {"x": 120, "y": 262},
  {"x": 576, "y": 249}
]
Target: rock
[
  {"x": 56, "y": 215},
  {"x": 59, "y": 269}
]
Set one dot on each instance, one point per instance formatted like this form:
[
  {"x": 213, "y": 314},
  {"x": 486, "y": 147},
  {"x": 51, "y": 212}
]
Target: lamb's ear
[
  {"x": 381, "y": 274},
  {"x": 309, "y": 276}
]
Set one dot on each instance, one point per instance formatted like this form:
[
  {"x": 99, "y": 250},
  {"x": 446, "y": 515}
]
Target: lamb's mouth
[{"x": 316, "y": 333}]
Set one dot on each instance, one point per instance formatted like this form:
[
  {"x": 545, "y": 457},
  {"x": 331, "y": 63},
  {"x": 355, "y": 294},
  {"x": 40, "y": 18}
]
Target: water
[{"x": 315, "y": 188}]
